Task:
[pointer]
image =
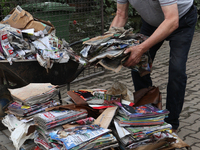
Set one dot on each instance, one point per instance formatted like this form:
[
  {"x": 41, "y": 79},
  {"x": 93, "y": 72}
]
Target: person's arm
[
  {"x": 121, "y": 15},
  {"x": 170, "y": 23}
]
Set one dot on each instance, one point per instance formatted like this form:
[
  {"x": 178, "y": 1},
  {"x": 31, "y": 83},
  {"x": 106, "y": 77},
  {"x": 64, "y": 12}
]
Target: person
[{"x": 171, "y": 20}]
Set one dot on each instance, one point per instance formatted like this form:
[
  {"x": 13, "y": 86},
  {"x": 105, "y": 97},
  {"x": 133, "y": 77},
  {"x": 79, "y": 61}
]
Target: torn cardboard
[
  {"x": 40, "y": 25},
  {"x": 77, "y": 99},
  {"x": 106, "y": 117},
  {"x": 19, "y": 18},
  {"x": 92, "y": 112},
  {"x": 156, "y": 145}
]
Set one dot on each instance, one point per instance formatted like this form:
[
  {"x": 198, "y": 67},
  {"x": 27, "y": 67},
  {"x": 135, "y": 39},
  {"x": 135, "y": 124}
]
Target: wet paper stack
[
  {"x": 141, "y": 115},
  {"x": 115, "y": 124},
  {"x": 33, "y": 98},
  {"x": 75, "y": 133},
  {"x": 108, "y": 50},
  {"x": 85, "y": 137},
  {"x": 142, "y": 125},
  {"x": 26, "y": 110},
  {"x": 51, "y": 119}
]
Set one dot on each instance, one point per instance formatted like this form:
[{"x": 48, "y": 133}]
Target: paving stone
[
  {"x": 197, "y": 134},
  {"x": 6, "y": 132},
  {"x": 10, "y": 146},
  {"x": 197, "y": 112},
  {"x": 4, "y": 139},
  {"x": 191, "y": 119},
  {"x": 198, "y": 145},
  {"x": 195, "y": 148},
  {"x": 184, "y": 132},
  {"x": 191, "y": 141},
  {"x": 3, "y": 147},
  {"x": 195, "y": 126}
]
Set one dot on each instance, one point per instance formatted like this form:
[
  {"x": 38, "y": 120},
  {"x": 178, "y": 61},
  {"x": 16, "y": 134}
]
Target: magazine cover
[
  {"x": 24, "y": 110},
  {"x": 78, "y": 135},
  {"x": 147, "y": 110},
  {"x": 50, "y": 119}
]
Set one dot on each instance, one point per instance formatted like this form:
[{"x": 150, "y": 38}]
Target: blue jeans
[{"x": 180, "y": 42}]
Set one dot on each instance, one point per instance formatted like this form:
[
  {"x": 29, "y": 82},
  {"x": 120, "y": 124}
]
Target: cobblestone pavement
[{"x": 189, "y": 130}]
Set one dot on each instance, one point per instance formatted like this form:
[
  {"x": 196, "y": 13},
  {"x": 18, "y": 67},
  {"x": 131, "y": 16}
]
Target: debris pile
[
  {"x": 88, "y": 119},
  {"x": 29, "y": 38}
]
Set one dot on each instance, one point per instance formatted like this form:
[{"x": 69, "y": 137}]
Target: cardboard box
[
  {"x": 106, "y": 117},
  {"x": 19, "y": 18},
  {"x": 46, "y": 27}
]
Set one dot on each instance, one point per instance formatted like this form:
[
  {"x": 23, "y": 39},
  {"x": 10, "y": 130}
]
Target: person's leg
[
  {"x": 180, "y": 42},
  {"x": 145, "y": 81}
]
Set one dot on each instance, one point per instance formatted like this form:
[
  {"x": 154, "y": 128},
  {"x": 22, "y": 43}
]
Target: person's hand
[{"x": 135, "y": 55}]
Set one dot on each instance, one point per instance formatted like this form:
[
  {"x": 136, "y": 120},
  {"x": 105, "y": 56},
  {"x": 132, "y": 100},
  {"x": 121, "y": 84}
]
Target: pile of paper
[
  {"x": 87, "y": 137},
  {"x": 34, "y": 93},
  {"x": 25, "y": 110},
  {"x": 142, "y": 125},
  {"x": 54, "y": 118},
  {"x": 108, "y": 51},
  {"x": 94, "y": 119},
  {"x": 24, "y": 37},
  {"x": 141, "y": 115}
]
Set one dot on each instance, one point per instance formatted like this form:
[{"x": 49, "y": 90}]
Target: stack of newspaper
[
  {"x": 33, "y": 98},
  {"x": 54, "y": 118},
  {"x": 108, "y": 51},
  {"x": 34, "y": 93},
  {"x": 139, "y": 126}
]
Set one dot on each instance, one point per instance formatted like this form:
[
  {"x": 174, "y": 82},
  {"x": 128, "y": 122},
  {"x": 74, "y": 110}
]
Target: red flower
[{"x": 74, "y": 22}]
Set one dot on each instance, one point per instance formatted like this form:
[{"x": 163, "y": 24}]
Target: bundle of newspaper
[
  {"x": 139, "y": 126},
  {"x": 85, "y": 137},
  {"x": 54, "y": 118},
  {"x": 108, "y": 51},
  {"x": 33, "y": 41},
  {"x": 34, "y": 93}
]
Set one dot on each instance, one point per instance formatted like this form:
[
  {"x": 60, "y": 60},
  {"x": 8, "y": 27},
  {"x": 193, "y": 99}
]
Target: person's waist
[{"x": 191, "y": 9}]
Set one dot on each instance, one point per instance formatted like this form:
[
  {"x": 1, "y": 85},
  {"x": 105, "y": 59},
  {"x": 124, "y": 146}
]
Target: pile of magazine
[
  {"x": 142, "y": 125},
  {"x": 85, "y": 137},
  {"x": 54, "y": 118},
  {"x": 37, "y": 117},
  {"x": 32, "y": 99},
  {"x": 94, "y": 120}
]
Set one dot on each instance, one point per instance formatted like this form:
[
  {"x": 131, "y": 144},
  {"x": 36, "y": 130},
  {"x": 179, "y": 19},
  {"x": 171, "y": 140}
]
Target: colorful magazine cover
[
  {"x": 51, "y": 119},
  {"x": 102, "y": 141},
  {"x": 149, "y": 129},
  {"x": 24, "y": 110},
  {"x": 147, "y": 110},
  {"x": 78, "y": 135}
]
